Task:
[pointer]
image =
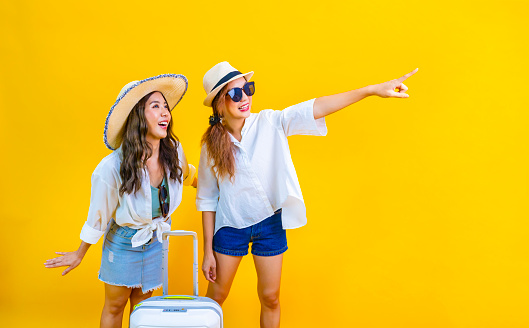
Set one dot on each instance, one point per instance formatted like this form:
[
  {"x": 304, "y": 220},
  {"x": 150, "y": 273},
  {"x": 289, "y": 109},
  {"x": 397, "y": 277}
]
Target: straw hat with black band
[
  {"x": 217, "y": 77},
  {"x": 172, "y": 86}
]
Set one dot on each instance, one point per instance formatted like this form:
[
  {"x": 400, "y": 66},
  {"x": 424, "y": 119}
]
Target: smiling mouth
[
  {"x": 163, "y": 124},
  {"x": 244, "y": 107}
]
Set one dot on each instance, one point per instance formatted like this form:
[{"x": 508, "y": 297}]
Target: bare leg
[
  {"x": 268, "y": 284},
  {"x": 116, "y": 298},
  {"x": 137, "y": 296},
  {"x": 227, "y": 266}
]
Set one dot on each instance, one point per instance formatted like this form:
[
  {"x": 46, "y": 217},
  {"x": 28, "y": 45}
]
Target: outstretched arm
[{"x": 327, "y": 105}]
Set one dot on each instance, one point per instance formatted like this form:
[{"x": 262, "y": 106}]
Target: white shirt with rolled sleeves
[
  {"x": 265, "y": 179},
  {"x": 131, "y": 210}
]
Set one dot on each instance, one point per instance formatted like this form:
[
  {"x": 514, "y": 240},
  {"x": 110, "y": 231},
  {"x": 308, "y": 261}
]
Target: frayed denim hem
[
  {"x": 152, "y": 289},
  {"x": 120, "y": 285},
  {"x": 132, "y": 286}
]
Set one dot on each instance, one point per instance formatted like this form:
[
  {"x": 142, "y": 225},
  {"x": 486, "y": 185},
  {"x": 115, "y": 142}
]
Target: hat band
[{"x": 226, "y": 78}]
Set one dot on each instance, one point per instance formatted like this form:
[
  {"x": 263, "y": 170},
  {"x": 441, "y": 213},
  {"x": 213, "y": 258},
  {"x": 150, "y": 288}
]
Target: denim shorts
[
  {"x": 123, "y": 265},
  {"x": 268, "y": 238}
]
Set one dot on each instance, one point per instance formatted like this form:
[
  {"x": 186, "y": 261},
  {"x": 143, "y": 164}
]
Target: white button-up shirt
[
  {"x": 131, "y": 210},
  {"x": 265, "y": 179}
]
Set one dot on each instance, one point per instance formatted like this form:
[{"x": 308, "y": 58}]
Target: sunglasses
[
  {"x": 236, "y": 93},
  {"x": 162, "y": 196}
]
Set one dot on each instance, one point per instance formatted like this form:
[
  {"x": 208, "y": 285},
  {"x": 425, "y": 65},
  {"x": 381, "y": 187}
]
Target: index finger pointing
[{"x": 402, "y": 79}]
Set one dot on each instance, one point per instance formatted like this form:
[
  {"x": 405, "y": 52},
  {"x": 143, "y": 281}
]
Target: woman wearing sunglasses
[
  {"x": 134, "y": 191},
  {"x": 248, "y": 190}
]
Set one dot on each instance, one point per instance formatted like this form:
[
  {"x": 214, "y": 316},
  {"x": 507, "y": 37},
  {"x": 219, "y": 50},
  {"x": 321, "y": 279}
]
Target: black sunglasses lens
[
  {"x": 163, "y": 193},
  {"x": 249, "y": 89},
  {"x": 165, "y": 208},
  {"x": 235, "y": 94}
]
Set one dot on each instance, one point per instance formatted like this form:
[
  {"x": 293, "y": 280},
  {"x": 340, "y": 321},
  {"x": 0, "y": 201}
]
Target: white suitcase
[{"x": 177, "y": 310}]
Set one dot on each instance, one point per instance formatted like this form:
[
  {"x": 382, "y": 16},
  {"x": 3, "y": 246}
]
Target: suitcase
[{"x": 177, "y": 310}]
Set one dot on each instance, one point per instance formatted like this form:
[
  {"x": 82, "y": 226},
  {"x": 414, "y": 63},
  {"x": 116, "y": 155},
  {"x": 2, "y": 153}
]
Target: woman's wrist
[
  {"x": 369, "y": 90},
  {"x": 81, "y": 251},
  {"x": 80, "y": 254},
  {"x": 208, "y": 250}
]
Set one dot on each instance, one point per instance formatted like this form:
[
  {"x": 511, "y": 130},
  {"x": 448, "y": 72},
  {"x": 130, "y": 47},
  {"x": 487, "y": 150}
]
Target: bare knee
[
  {"x": 218, "y": 294},
  {"x": 269, "y": 299},
  {"x": 115, "y": 306}
]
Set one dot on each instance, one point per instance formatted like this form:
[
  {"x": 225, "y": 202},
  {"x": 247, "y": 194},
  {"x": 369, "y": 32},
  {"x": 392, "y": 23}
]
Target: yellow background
[{"x": 417, "y": 208}]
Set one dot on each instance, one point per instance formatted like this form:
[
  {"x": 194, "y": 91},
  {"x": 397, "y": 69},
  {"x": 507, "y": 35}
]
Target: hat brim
[
  {"x": 172, "y": 86},
  {"x": 213, "y": 93}
]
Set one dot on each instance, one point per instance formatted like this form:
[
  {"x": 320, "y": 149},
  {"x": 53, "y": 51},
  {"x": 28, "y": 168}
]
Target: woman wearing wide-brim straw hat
[
  {"x": 248, "y": 190},
  {"x": 135, "y": 190}
]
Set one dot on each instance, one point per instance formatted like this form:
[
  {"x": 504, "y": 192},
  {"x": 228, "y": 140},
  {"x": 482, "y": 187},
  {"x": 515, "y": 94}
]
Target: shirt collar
[
  {"x": 247, "y": 122},
  {"x": 233, "y": 139}
]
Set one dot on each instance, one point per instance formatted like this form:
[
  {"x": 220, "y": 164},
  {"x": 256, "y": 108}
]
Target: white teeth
[{"x": 162, "y": 123}]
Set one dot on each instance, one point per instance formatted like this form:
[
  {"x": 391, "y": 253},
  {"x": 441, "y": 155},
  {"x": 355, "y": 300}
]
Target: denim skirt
[{"x": 123, "y": 265}]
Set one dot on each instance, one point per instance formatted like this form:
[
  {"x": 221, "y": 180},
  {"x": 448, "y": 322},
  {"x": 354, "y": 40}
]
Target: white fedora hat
[
  {"x": 218, "y": 76},
  {"x": 172, "y": 86}
]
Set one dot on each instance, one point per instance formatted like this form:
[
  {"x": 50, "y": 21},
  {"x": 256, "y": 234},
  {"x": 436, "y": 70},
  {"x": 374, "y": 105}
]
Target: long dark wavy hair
[
  {"x": 136, "y": 150},
  {"x": 218, "y": 141}
]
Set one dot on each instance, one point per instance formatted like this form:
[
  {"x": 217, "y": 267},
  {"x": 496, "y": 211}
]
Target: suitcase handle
[{"x": 165, "y": 258}]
